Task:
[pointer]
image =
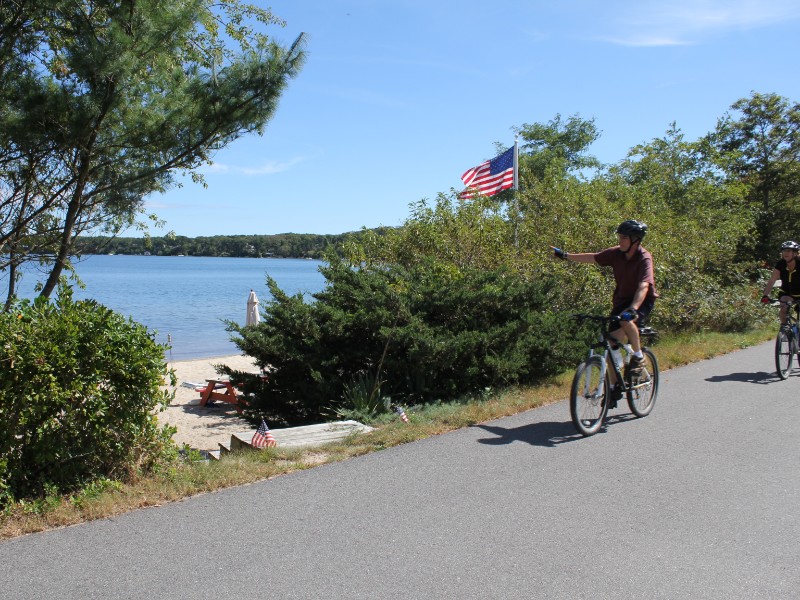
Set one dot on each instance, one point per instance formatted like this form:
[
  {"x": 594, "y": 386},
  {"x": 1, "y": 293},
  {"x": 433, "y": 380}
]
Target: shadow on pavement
[
  {"x": 759, "y": 377},
  {"x": 548, "y": 434}
]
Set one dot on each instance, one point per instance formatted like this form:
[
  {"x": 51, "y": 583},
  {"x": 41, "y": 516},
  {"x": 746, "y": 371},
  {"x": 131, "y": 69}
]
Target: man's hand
[
  {"x": 765, "y": 299},
  {"x": 559, "y": 253}
]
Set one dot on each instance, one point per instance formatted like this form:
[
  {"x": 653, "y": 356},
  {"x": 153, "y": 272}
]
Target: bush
[
  {"x": 482, "y": 329},
  {"x": 693, "y": 301},
  {"x": 79, "y": 387},
  {"x": 426, "y": 333}
]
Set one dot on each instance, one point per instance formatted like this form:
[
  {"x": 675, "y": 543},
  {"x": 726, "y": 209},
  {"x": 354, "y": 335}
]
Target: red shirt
[{"x": 628, "y": 273}]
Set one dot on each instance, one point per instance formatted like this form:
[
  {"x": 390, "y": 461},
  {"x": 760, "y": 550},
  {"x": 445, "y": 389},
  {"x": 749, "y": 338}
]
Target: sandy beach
[{"x": 203, "y": 427}]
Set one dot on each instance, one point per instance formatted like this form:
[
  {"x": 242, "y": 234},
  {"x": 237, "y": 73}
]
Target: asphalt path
[{"x": 698, "y": 500}]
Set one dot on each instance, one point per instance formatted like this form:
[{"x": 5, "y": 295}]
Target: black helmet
[
  {"x": 633, "y": 229},
  {"x": 790, "y": 245}
]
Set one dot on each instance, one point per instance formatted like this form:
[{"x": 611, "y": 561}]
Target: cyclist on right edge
[
  {"x": 635, "y": 293},
  {"x": 785, "y": 270}
]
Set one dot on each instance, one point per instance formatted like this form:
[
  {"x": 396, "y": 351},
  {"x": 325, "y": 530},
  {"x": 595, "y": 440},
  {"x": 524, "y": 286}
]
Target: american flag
[
  {"x": 403, "y": 417},
  {"x": 490, "y": 177},
  {"x": 262, "y": 437}
]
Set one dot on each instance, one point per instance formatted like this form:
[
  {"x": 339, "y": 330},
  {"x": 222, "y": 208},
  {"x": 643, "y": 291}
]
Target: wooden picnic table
[{"x": 227, "y": 394}]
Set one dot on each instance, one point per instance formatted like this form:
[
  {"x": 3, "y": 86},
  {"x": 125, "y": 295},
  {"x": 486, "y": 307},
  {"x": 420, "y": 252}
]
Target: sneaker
[{"x": 635, "y": 367}]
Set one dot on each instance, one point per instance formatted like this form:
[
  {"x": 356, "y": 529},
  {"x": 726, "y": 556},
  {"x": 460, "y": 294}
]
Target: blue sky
[{"x": 398, "y": 98}]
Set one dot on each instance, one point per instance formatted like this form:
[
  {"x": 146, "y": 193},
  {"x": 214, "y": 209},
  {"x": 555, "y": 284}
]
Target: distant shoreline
[
  {"x": 196, "y": 256},
  {"x": 282, "y": 245}
]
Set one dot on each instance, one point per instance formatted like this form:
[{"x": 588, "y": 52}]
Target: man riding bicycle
[
  {"x": 785, "y": 270},
  {"x": 635, "y": 293}
]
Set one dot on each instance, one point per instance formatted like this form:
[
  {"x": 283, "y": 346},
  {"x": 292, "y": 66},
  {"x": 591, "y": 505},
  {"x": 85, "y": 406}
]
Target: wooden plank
[
  {"x": 306, "y": 435},
  {"x": 238, "y": 443},
  {"x": 223, "y": 449}
]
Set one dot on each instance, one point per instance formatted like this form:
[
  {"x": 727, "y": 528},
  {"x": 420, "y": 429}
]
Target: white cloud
[
  {"x": 267, "y": 168},
  {"x": 649, "y": 23}
]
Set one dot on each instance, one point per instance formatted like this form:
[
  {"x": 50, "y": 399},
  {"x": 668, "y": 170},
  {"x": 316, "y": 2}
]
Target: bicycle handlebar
[
  {"x": 604, "y": 321},
  {"x": 596, "y": 318}
]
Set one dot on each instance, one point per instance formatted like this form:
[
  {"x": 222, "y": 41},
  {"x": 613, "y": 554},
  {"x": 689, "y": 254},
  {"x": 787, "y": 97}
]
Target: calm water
[{"x": 186, "y": 298}]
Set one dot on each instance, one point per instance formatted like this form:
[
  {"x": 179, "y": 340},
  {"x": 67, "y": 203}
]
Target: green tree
[
  {"x": 557, "y": 144},
  {"x": 758, "y": 144},
  {"x": 459, "y": 234},
  {"x": 105, "y": 102}
]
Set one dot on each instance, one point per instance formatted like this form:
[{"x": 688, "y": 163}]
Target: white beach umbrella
[{"x": 252, "y": 309}]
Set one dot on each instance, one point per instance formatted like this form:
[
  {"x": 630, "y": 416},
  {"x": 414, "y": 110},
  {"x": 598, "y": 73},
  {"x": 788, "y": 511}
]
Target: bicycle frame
[
  {"x": 791, "y": 315},
  {"x": 605, "y": 342}
]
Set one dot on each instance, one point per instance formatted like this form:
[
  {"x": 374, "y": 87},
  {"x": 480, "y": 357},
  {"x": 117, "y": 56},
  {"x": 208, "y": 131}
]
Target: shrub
[
  {"x": 426, "y": 333},
  {"x": 79, "y": 387},
  {"x": 484, "y": 328},
  {"x": 697, "y": 302}
]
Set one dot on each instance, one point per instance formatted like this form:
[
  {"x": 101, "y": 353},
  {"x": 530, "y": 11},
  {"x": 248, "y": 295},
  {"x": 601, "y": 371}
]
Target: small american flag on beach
[
  {"x": 403, "y": 417},
  {"x": 491, "y": 176},
  {"x": 262, "y": 437}
]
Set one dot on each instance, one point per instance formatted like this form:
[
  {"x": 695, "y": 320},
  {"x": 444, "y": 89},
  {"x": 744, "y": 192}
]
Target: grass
[{"x": 109, "y": 498}]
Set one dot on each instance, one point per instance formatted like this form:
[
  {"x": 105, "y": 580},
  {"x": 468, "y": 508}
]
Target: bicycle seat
[{"x": 647, "y": 331}]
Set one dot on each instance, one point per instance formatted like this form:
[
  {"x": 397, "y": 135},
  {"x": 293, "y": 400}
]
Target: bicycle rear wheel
[
  {"x": 587, "y": 405},
  {"x": 644, "y": 389},
  {"x": 784, "y": 352}
]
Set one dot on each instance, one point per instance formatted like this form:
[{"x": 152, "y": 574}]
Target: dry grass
[{"x": 189, "y": 479}]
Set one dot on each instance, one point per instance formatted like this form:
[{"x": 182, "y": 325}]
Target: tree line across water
[{"x": 283, "y": 245}]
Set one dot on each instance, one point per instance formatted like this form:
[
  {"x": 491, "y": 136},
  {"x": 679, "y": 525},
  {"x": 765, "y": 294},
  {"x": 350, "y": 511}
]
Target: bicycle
[
  {"x": 787, "y": 342},
  {"x": 590, "y": 397}
]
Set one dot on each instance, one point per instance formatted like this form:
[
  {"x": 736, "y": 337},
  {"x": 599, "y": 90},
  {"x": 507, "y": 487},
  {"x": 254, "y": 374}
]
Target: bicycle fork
[{"x": 601, "y": 386}]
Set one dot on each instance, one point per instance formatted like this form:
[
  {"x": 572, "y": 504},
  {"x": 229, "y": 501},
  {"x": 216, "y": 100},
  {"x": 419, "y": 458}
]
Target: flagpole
[
  {"x": 516, "y": 190},
  {"x": 516, "y": 164}
]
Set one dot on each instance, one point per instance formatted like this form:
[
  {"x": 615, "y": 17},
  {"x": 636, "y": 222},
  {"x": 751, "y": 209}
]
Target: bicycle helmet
[
  {"x": 790, "y": 245},
  {"x": 633, "y": 229}
]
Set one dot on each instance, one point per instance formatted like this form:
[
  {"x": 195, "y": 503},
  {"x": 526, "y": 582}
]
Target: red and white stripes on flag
[
  {"x": 403, "y": 417},
  {"x": 263, "y": 437},
  {"x": 491, "y": 176}
]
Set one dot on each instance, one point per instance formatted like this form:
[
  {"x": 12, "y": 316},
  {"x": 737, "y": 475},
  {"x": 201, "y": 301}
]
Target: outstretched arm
[{"x": 584, "y": 257}]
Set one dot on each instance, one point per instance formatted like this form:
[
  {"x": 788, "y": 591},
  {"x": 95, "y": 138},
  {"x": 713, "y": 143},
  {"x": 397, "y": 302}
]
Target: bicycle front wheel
[
  {"x": 644, "y": 389},
  {"x": 588, "y": 400},
  {"x": 784, "y": 353}
]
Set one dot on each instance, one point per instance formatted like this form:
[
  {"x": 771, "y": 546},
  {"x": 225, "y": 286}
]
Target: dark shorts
[{"x": 644, "y": 312}]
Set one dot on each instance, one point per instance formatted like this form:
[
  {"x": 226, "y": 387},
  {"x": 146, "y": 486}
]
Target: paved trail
[{"x": 699, "y": 500}]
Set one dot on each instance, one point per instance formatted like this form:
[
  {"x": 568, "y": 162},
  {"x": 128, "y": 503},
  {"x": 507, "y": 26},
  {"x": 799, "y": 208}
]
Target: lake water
[{"x": 187, "y": 297}]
